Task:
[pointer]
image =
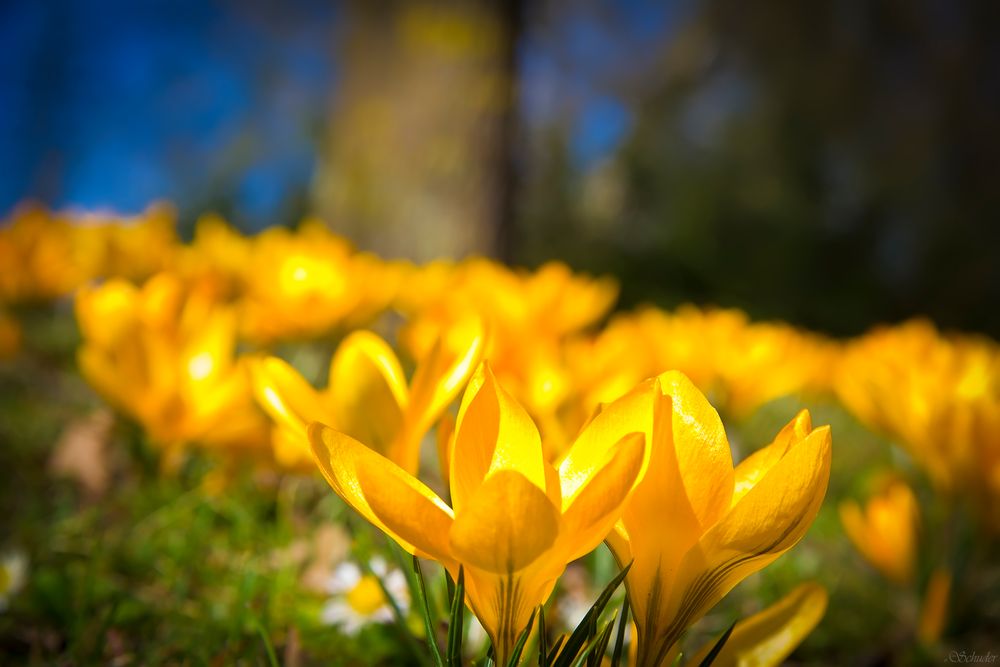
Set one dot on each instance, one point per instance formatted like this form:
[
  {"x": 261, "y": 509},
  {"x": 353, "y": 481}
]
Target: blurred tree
[
  {"x": 418, "y": 159},
  {"x": 832, "y": 162}
]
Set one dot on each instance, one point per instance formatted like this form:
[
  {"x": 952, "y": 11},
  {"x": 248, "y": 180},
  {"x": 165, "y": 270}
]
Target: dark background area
[{"x": 832, "y": 163}]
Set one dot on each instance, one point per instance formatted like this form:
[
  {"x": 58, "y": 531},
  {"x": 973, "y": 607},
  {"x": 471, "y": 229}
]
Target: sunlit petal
[
  {"x": 505, "y": 525},
  {"x": 768, "y": 637},
  {"x": 493, "y": 433},
  {"x": 368, "y": 392},
  {"x": 385, "y": 494}
]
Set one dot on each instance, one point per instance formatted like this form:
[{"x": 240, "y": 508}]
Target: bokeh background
[{"x": 833, "y": 163}]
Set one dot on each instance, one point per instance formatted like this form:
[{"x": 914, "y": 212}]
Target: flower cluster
[{"x": 570, "y": 429}]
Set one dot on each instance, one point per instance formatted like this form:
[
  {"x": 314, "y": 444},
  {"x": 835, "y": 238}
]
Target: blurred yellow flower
[
  {"x": 164, "y": 357},
  {"x": 939, "y": 398},
  {"x": 529, "y": 315},
  {"x": 120, "y": 247},
  {"x": 724, "y": 523},
  {"x": 514, "y": 522},
  {"x": 305, "y": 283},
  {"x": 767, "y": 638},
  {"x": 740, "y": 364},
  {"x": 47, "y": 255},
  {"x": 38, "y": 257},
  {"x": 217, "y": 259},
  {"x": 885, "y": 530},
  {"x": 10, "y": 336},
  {"x": 367, "y": 395},
  {"x": 934, "y": 612}
]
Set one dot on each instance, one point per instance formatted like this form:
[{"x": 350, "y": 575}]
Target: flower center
[{"x": 367, "y": 596}]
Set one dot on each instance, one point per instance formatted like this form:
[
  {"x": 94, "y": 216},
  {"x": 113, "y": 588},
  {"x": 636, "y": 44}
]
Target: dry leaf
[{"x": 81, "y": 452}]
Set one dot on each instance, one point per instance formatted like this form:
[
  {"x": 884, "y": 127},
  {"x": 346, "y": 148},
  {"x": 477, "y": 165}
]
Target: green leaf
[
  {"x": 428, "y": 621},
  {"x": 543, "y": 650},
  {"x": 599, "y": 646},
  {"x": 272, "y": 659},
  {"x": 554, "y": 650},
  {"x": 616, "y": 656},
  {"x": 515, "y": 656},
  {"x": 588, "y": 625},
  {"x": 456, "y": 621},
  {"x": 714, "y": 653}
]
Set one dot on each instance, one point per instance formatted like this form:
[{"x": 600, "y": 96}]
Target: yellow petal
[
  {"x": 660, "y": 493},
  {"x": 503, "y": 603},
  {"x": 755, "y": 466},
  {"x": 768, "y": 637},
  {"x": 395, "y": 501},
  {"x": 703, "y": 455},
  {"x": 368, "y": 394},
  {"x": 591, "y": 513},
  {"x": 506, "y": 524},
  {"x": 493, "y": 433},
  {"x": 285, "y": 395},
  {"x": 769, "y": 519},
  {"x": 442, "y": 374},
  {"x": 632, "y": 413}
]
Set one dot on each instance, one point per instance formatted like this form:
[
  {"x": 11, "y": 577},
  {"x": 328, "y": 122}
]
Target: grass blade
[
  {"x": 543, "y": 649},
  {"x": 272, "y": 658},
  {"x": 428, "y": 621},
  {"x": 588, "y": 625},
  {"x": 515, "y": 656},
  {"x": 616, "y": 656},
  {"x": 714, "y": 653},
  {"x": 456, "y": 622},
  {"x": 554, "y": 650},
  {"x": 599, "y": 646}
]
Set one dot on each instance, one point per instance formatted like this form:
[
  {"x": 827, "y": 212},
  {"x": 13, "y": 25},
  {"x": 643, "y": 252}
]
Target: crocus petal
[
  {"x": 493, "y": 433},
  {"x": 442, "y": 374},
  {"x": 769, "y": 519},
  {"x": 768, "y": 637},
  {"x": 618, "y": 541},
  {"x": 703, "y": 455},
  {"x": 369, "y": 392},
  {"x": 395, "y": 501},
  {"x": 755, "y": 466},
  {"x": 285, "y": 395},
  {"x": 591, "y": 513},
  {"x": 629, "y": 414},
  {"x": 505, "y": 525},
  {"x": 661, "y": 493},
  {"x": 208, "y": 353},
  {"x": 503, "y": 603}
]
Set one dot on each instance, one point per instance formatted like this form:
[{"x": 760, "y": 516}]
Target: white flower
[
  {"x": 358, "y": 598},
  {"x": 13, "y": 570}
]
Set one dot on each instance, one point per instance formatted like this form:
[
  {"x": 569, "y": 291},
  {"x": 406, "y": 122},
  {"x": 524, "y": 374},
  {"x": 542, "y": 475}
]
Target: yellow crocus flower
[
  {"x": 530, "y": 314},
  {"x": 885, "y": 530},
  {"x": 39, "y": 257},
  {"x": 695, "y": 526},
  {"x": 768, "y": 637},
  {"x": 306, "y": 283},
  {"x": 165, "y": 357},
  {"x": 939, "y": 398},
  {"x": 514, "y": 519},
  {"x": 740, "y": 364},
  {"x": 367, "y": 396}
]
